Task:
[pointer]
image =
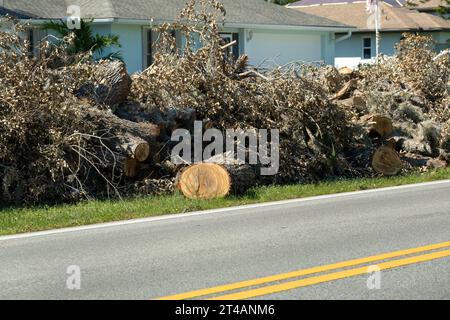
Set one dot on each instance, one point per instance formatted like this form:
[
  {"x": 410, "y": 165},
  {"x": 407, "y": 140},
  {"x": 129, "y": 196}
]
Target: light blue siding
[
  {"x": 280, "y": 45},
  {"x": 130, "y": 37},
  {"x": 350, "y": 51}
]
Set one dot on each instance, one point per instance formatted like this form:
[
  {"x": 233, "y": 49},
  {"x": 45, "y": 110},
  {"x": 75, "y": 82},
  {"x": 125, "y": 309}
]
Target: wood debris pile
[
  {"x": 403, "y": 101},
  {"x": 72, "y": 128}
]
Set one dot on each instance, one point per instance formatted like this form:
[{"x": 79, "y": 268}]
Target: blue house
[{"x": 266, "y": 32}]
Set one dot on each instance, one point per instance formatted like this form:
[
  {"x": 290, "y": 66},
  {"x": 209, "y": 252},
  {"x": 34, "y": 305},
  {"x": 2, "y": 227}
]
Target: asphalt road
[{"x": 160, "y": 257}]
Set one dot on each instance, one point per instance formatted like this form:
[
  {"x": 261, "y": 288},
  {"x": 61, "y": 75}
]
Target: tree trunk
[
  {"x": 130, "y": 140},
  {"x": 212, "y": 180},
  {"x": 111, "y": 85},
  {"x": 346, "y": 90},
  {"x": 386, "y": 160},
  {"x": 381, "y": 126}
]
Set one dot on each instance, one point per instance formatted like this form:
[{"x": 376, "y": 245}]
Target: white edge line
[{"x": 214, "y": 211}]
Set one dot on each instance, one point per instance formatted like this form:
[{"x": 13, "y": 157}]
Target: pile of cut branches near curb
[
  {"x": 403, "y": 103},
  {"x": 228, "y": 94},
  {"x": 72, "y": 128}
]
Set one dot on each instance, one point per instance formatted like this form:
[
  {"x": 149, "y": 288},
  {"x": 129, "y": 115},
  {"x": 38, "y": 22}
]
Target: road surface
[{"x": 171, "y": 257}]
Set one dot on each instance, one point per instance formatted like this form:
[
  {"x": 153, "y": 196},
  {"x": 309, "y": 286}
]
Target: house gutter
[
  {"x": 345, "y": 37},
  {"x": 226, "y": 25}
]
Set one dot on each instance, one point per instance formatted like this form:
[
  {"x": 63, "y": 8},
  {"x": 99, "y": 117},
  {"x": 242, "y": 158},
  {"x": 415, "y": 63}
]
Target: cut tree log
[
  {"x": 386, "y": 160},
  {"x": 345, "y": 71},
  {"x": 204, "y": 181},
  {"x": 138, "y": 147},
  {"x": 356, "y": 103},
  {"x": 130, "y": 167},
  {"x": 381, "y": 126},
  {"x": 111, "y": 85},
  {"x": 346, "y": 90},
  {"x": 128, "y": 139},
  {"x": 212, "y": 180}
]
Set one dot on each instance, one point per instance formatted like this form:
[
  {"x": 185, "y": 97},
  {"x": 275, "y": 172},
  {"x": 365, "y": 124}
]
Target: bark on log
[
  {"x": 129, "y": 139},
  {"x": 111, "y": 85},
  {"x": 167, "y": 120},
  {"x": 386, "y": 160},
  {"x": 130, "y": 167},
  {"x": 415, "y": 147},
  {"x": 346, "y": 90},
  {"x": 356, "y": 102}
]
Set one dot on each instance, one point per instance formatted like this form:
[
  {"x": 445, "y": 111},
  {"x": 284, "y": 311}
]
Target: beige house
[{"x": 396, "y": 18}]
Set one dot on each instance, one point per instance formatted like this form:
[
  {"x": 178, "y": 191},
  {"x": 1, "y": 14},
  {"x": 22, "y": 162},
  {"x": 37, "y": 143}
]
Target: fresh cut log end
[
  {"x": 204, "y": 181},
  {"x": 386, "y": 161},
  {"x": 382, "y": 125},
  {"x": 142, "y": 151}
]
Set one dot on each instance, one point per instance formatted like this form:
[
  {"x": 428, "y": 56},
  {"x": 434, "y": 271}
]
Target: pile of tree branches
[{"x": 73, "y": 128}]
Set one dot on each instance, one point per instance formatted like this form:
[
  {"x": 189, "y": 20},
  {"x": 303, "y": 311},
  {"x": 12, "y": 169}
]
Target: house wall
[
  {"x": 278, "y": 45},
  {"x": 103, "y": 30},
  {"x": 350, "y": 52},
  {"x": 283, "y": 47},
  {"x": 130, "y": 37}
]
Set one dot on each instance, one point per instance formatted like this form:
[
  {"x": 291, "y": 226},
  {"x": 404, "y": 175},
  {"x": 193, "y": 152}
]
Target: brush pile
[
  {"x": 72, "y": 128},
  {"x": 403, "y": 101}
]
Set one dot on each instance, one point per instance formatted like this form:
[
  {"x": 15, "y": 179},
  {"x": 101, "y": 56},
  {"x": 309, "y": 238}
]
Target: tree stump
[{"x": 386, "y": 160}]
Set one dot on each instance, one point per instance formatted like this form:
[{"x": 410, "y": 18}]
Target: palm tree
[{"x": 85, "y": 40}]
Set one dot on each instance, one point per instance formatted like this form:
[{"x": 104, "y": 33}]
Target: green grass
[{"x": 20, "y": 220}]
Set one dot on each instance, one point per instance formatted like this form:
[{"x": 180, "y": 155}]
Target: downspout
[{"x": 347, "y": 36}]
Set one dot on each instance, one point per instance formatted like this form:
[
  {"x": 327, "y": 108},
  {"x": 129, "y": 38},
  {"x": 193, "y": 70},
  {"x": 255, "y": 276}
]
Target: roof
[
  {"x": 397, "y": 3},
  {"x": 426, "y": 6},
  {"x": 243, "y": 12},
  {"x": 393, "y": 18},
  {"x": 420, "y": 5}
]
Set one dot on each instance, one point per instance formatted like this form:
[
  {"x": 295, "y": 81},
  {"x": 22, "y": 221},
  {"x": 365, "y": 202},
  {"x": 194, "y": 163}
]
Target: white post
[{"x": 377, "y": 29}]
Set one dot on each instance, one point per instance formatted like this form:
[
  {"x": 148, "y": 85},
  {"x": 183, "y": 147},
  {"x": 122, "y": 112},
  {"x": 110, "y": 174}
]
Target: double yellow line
[{"x": 280, "y": 287}]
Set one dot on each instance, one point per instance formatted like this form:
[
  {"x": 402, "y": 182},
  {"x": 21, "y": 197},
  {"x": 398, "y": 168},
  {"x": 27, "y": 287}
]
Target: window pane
[
  {"x": 367, "y": 42},
  {"x": 367, "y": 53}
]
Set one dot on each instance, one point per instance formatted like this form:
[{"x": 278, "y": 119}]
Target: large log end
[
  {"x": 386, "y": 160},
  {"x": 204, "y": 181}
]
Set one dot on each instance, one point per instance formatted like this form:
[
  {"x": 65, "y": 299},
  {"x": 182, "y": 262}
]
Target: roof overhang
[
  {"x": 405, "y": 30},
  {"x": 151, "y": 22}
]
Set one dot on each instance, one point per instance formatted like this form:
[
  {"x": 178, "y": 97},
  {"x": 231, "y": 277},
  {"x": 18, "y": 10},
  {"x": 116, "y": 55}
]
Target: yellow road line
[
  {"x": 304, "y": 272},
  {"x": 330, "y": 277}
]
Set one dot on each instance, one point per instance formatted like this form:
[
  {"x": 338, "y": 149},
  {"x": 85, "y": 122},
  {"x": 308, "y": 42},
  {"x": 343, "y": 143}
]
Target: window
[
  {"x": 367, "y": 48},
  {"x": 148, "y": 48},
  {"x": 35, "y": 36},
  {"x": 228, "y": 38},
  {"x": 150, "y": 37}
]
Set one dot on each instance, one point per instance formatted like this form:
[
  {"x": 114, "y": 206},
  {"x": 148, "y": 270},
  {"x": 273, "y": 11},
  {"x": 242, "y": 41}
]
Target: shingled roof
[
  {"x": 242, "y": 12},
  {"x": 420, "y": 5},
  {"x": 393, "y": 18}
]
